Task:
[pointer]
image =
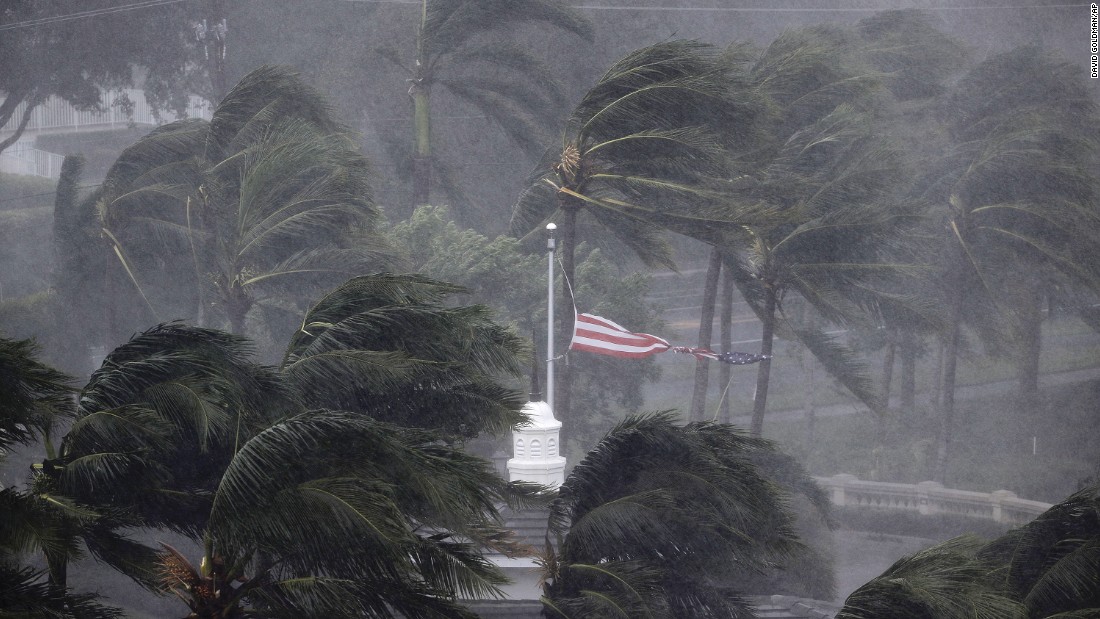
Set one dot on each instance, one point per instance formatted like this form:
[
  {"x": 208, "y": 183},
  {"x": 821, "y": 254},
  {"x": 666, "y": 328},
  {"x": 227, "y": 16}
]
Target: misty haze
[{"x": 548, "y": 308}]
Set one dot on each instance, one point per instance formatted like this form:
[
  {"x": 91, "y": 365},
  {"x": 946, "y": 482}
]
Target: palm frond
[
  {"x": 843, "y": 364},
  {"x": 946, "y": 580},
  {"x": 33, "y": 396},
  {"x": 691, "y": 498},
  {"x": 450, "y": 24},
  {"x": 25, "y": 593}
]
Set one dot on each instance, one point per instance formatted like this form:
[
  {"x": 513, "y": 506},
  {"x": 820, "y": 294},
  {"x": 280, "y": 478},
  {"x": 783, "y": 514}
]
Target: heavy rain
[{"x": 549, "y": 308}]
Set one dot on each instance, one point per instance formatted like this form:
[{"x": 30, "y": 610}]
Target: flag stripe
[{"x": 602, "y": 336}]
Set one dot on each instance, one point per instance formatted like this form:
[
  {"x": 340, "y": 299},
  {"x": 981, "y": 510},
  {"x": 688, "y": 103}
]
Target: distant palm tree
[
  {"x": 641, "y": 154},
  {"x": 1015, "y": 196},
  {"x": 1051, "y": 563},
  {"x": 800, "y": 76},
  {"x": 827, "y": 187},
  {"x": 264, "y": 197},
  {"x": 659, "y": 520},
  {"x": 458, "y": 48}
]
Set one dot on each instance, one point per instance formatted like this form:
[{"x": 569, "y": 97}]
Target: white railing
[
  {"x": 23, "y": 158},
  {"x": 56, "y": 115},
  {"x": 929, "y": 498}
]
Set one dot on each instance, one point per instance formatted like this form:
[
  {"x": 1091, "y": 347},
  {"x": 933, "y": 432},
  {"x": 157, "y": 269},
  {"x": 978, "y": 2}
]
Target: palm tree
[
  {"x": 827, "y": 186},
  {"x": 640, "y": 154},
  {"x": 1046, "y": 569},
  {"x": 266, "y": 196},
  {"x": 1051, "y": 564},
  {"x": 802, "y": 76},
  {"x": 1014, "y": 191},
  {"x": 33, "y": 399},
  {"x": 659, "y": 520},
  {"x": 181, "y": 429},
  {"x": 947, "y": 581},
  {"x": 458, "y": 48},
  {"x": 416, "y": 362}
]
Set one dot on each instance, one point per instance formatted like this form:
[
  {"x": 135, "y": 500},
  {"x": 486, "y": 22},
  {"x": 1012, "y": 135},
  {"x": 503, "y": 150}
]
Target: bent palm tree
[
  {"x": 640, "y": 154},
  {"x": 658, "y": 520},
  {"x": 456, "y": 49},
  {"x": 180, "y": 429},
  {"x": 1052, "y": 563},
  {"x": 1015, "y": 191},
  {"x": 827, "y": 186},
  {"x": 262, "y": 199},
  {"x": 1046, "y": 569}
]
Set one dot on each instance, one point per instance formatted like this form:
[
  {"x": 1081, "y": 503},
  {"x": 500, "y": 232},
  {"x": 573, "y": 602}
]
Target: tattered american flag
[
  {"x": 732, "y": 357},
  {"x": 602, "y": 336}
]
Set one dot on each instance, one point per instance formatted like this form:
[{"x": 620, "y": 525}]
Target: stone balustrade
[{"x": 931, "y": 498}]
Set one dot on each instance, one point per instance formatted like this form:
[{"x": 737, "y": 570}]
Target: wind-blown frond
[
  {"x": 165, "y": 412},
  {"x": 359, "y": 479},
  {"x": 383, "y": 345},
  {"x": 655, "y": 506},
  {"x": 843, "y": 364},
  {"x": 1051, "y": 562},
  {"x": 450, "y": 23},
  {"x": 24, "y": 592},
  {"x": 33, "y": 396},
  {"x": 946, "y": 580}
]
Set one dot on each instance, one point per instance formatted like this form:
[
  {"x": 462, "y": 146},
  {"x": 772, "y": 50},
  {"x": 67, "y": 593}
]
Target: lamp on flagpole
[{"x": 550, "y": 228}]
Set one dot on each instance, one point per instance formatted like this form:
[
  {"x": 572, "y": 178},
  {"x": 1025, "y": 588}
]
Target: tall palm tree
[
  {"x": 459, "y": 49},
  {"x": 264, "y": 197},
  {"x": 640, "y": 153},
  {"x": 827, "y": 186},
  {"x": 659, "y": 519},
  {"x": 1015, "y": 194},
  {"x": 802, "y": 77}
]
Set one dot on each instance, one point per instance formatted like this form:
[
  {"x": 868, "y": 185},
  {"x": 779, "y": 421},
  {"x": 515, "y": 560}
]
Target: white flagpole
[{"x": 550, "y": 316}]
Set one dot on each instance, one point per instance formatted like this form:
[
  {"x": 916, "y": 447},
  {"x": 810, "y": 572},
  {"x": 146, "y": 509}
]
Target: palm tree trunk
[
  {"x": 763, "y": 374},
  {"x": 216, "y": 52},
  {"x": 726, "y": 335},
  {"x": 809, "y": 394},
  {"x": 236, "y": 321},
  {"x": 706, "y": 327},
  {"x": 936, "y": 399},
  {"x": 908, "y": 387},
  {"x": 1031, "y": 318},
  {"x": 947, "y": 409},
  {"x": 422, "y": 160},
  {"x": 887, "y": 378}
]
